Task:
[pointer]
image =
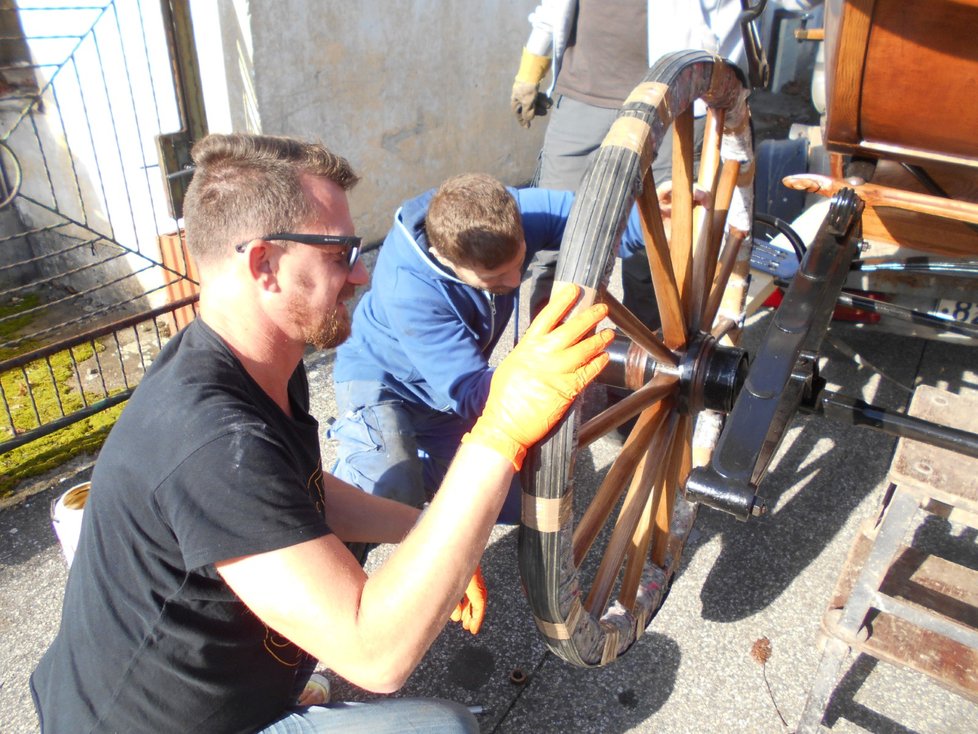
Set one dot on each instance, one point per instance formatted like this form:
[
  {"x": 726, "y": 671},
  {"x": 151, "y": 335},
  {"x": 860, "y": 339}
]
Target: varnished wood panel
[{"x": 903, "y": 78}]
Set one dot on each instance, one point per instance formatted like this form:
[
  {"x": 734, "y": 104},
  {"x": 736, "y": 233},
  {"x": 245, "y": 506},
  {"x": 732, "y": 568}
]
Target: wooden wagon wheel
[{"x": 685, "y": 376}]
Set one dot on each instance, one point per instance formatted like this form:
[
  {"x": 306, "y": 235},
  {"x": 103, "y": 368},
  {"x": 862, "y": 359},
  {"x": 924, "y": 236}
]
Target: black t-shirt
[
  {"x": 202, "y": 466},
  {"x": 607, "y": 54}
]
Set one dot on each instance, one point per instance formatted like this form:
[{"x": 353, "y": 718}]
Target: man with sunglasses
[
  {"x": 415, "y": 375},
  {"x": 212, "y": 570}
]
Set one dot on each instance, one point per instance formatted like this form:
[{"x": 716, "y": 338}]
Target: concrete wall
[{"x": 411, "y": 91}]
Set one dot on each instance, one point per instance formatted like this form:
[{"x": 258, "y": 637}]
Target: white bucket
[{"x": 66, "y": 517}]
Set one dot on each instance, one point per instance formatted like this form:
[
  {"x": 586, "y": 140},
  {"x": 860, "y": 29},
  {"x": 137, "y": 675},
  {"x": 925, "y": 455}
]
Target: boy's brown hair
[{"x": 474, "y": 221}]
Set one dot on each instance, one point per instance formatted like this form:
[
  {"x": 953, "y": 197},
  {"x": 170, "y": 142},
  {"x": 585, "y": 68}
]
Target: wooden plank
[
  {"x": 951, "y": 590},
  {"x": 929, "y": 471},
  {"x": 933, "y": 235}
]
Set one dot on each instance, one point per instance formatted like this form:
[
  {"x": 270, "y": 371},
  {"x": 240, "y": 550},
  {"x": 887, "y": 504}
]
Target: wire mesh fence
[{"x": 94, "y": 276}]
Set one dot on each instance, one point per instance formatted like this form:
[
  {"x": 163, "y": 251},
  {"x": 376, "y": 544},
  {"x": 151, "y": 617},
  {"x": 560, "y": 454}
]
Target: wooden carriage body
[
  {"x": 902, "y": 79},
  {"x": 901, "y": 126}
]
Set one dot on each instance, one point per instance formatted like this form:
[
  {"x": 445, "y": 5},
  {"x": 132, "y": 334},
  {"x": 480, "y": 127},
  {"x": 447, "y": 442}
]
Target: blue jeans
[
  {"x": 397, "y": 449},
  {"x": 387, "y": 716}
]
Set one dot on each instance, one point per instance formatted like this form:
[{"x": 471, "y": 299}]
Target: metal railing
[{"x": 93, "y": 273}]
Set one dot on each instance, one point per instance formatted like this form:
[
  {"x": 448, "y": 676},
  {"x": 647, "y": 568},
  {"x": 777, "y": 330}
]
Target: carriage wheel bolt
[{"x": 517, "y": 677}]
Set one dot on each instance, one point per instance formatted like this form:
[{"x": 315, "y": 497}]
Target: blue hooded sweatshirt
[{"x": 426, "y": 335}]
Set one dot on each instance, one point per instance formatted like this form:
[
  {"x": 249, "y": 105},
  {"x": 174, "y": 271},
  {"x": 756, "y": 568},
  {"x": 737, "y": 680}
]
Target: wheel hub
[{"x": 710, "y": 375}]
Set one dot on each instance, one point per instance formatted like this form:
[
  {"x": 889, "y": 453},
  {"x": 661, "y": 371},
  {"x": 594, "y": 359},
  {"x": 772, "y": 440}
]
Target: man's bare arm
[
  {"x": 374, "y": 631},
  {"x": 359, "y": 517}
]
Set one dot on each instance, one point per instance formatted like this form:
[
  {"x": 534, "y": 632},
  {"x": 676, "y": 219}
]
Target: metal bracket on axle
[{"x": 782, "y": 372}]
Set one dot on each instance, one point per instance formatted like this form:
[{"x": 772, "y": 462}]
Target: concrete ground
[{"x": 693, "y": 670}]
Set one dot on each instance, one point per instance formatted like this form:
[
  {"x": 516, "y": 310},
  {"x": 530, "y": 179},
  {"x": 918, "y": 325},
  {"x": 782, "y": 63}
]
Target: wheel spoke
[
  {"x": 641, "y": 542},
  {"x": 725, "y": 327},
  {"x": 660, "y": 263},
  {"x": 648, "y": 472},
  {"x": 681, "y": 227},
  {"x": 638, "y": 549},
  {"x": 614, "y": 482},
  {"x": 703, "y": 214},
  {"x": 658, "y": 387},
  {"x": 721, "y": 206},
  {"x": 680, "y": 461},
  {"x": 637, "y": 331},
  {"x": 731, "y": 250}
]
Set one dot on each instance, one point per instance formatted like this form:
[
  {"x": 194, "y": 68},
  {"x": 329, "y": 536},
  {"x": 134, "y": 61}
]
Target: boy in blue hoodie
[{"x": 415, "y": 375}]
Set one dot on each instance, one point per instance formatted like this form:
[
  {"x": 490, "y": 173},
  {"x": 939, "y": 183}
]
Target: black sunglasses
[{"x": 348, "y": 241}]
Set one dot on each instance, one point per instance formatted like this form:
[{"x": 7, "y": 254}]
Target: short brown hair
[
  {"x": 474, "y": 221},
  {"x": 250, "y": 185}
]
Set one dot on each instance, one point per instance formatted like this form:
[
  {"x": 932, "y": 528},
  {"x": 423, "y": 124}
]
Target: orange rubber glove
[
  {"x": 536, "y": 383},
  {"x": 472, "y": 608},
  {"x": 526, "y": 100}
]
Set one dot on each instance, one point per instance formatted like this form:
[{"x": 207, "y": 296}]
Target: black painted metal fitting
[{"x": 707, "y": 487}]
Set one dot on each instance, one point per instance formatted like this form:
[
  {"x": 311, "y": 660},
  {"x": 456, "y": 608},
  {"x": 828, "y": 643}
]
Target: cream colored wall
[{"x": 411, "y": 91}]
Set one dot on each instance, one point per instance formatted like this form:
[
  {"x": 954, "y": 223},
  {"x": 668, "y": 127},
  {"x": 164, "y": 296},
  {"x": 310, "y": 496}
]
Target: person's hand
[
  {"x": 663, "y": 193},
  {"x": 316, "y": 692},
  {"x": 533, "y": 387},
  {"x": 472, "y": 608},
  {"x": 526, "y": 100}
]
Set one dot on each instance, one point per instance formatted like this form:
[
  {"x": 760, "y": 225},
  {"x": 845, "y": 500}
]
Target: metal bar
[
  {"x": 101, "y": 374},
  {"x": 926, "y": 619},
  {"x": 30, "y": 394},
  {"x": 62, "y": 274},
  {"x": 122, "y": 364},
  {"x": 87, "y": 316},
  {"x": 77, "y": 371},
  {"x": 59, "y": 67},
  {"x": 41, "y": 38},
  {"x": 902, "y": 313},
  {"x": 149, "y": 67},
  {"x": 44, "y": 161},
  {"x": 856, "y": 412},
  {"x": 99, "y": 287},
  {"x": 95, "y": 156},
  {"x": 71, "y": 154},
  {"x": 68, "y": 420},
  {"x": 135, "y": 117},
  {"x": 36, "y": 230},
  {"x": 59, "y": 7},
  {"x": 111, "y": 240},
  {"x": 54, "y": 386},
  {"x": 118, "y": 144},
  {"x": 49, "y": 255},
  {"x": 14, "y": 362}
]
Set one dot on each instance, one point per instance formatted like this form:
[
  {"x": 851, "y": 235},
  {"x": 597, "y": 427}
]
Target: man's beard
[
  {"x": 501, "y": 290},
  {"x": 330, "y": 330}
]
